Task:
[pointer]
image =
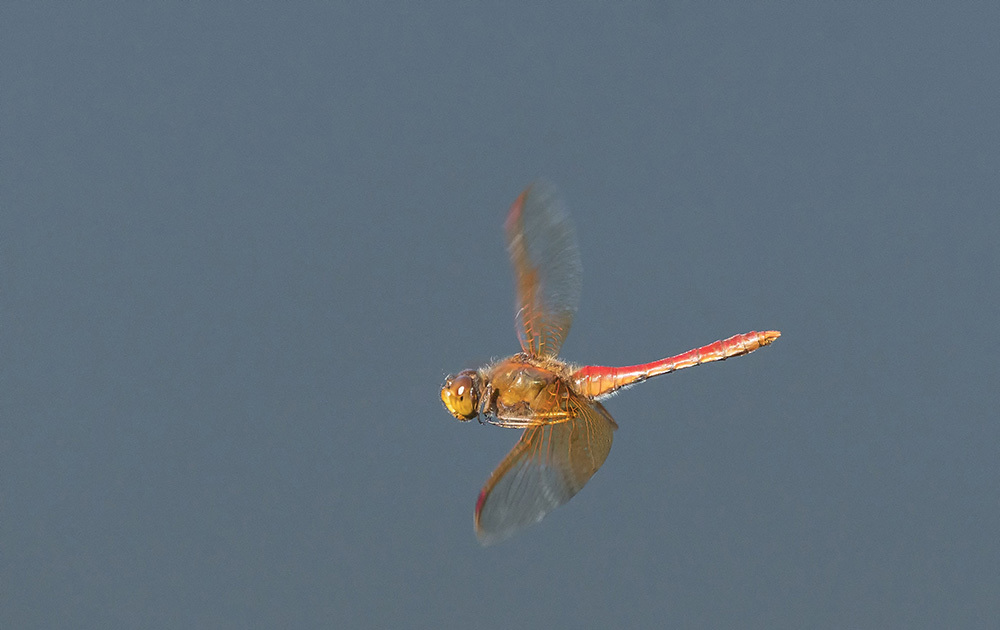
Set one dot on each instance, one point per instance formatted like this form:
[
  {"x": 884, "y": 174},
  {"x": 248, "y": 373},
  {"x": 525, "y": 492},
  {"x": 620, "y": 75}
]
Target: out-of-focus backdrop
[{"x": 241, "y": 246}]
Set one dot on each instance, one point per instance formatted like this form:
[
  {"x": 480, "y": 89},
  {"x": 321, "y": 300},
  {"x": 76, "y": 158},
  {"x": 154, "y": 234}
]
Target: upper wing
[
  {"x": 547, "y": 270},
  {"x": 548, "y": 465}
]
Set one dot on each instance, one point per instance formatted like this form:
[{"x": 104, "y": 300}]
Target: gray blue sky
[{"x": 241, "y": 247}]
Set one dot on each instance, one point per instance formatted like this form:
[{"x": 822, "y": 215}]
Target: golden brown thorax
[
  {"x": 517, "y": 381},
  {"x": 527, "y": 390}
]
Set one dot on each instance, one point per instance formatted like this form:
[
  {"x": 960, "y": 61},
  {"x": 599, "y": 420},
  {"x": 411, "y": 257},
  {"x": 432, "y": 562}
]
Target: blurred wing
[
  {"x": 547, "y": 466},
  {"x": 547, "y": 270}
]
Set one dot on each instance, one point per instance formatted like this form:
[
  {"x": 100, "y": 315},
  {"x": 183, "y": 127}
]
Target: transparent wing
[
  {"x": 548, "y": 465},
  {"x": 547, "y": 271}
]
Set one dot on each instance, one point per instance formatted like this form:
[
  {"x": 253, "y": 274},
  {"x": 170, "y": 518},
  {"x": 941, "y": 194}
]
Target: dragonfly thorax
[{"x": 521, "y": 386}]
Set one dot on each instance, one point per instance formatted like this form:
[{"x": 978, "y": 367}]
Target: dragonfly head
[{"x": 460, "y": 395}]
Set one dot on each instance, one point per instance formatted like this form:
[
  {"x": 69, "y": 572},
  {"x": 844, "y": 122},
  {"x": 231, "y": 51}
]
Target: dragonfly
[{"x": 566, "y": 431}]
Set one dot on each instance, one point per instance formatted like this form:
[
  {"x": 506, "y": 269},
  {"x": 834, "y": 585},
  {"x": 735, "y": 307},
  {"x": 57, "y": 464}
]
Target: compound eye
[{"x": 460, "y": 397}]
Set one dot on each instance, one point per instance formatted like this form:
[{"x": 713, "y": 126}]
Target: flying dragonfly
[{"x": 566, "y": 431}]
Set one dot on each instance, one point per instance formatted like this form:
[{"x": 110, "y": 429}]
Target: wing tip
[
  {"x": 485, "y": 538},
  {"x": 516, "y": 209}
]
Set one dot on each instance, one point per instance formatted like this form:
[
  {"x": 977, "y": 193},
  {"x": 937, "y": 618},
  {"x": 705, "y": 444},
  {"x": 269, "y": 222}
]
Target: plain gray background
[{"x": 241, "y": 247}]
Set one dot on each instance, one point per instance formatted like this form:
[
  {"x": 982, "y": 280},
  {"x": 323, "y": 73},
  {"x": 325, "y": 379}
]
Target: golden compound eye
[{"x": 460, "y": 397}]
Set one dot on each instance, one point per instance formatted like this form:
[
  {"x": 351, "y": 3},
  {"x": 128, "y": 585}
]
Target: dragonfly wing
[
  {"x": 546, "y": 259},
  {"x": 548, "y": 465}
]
